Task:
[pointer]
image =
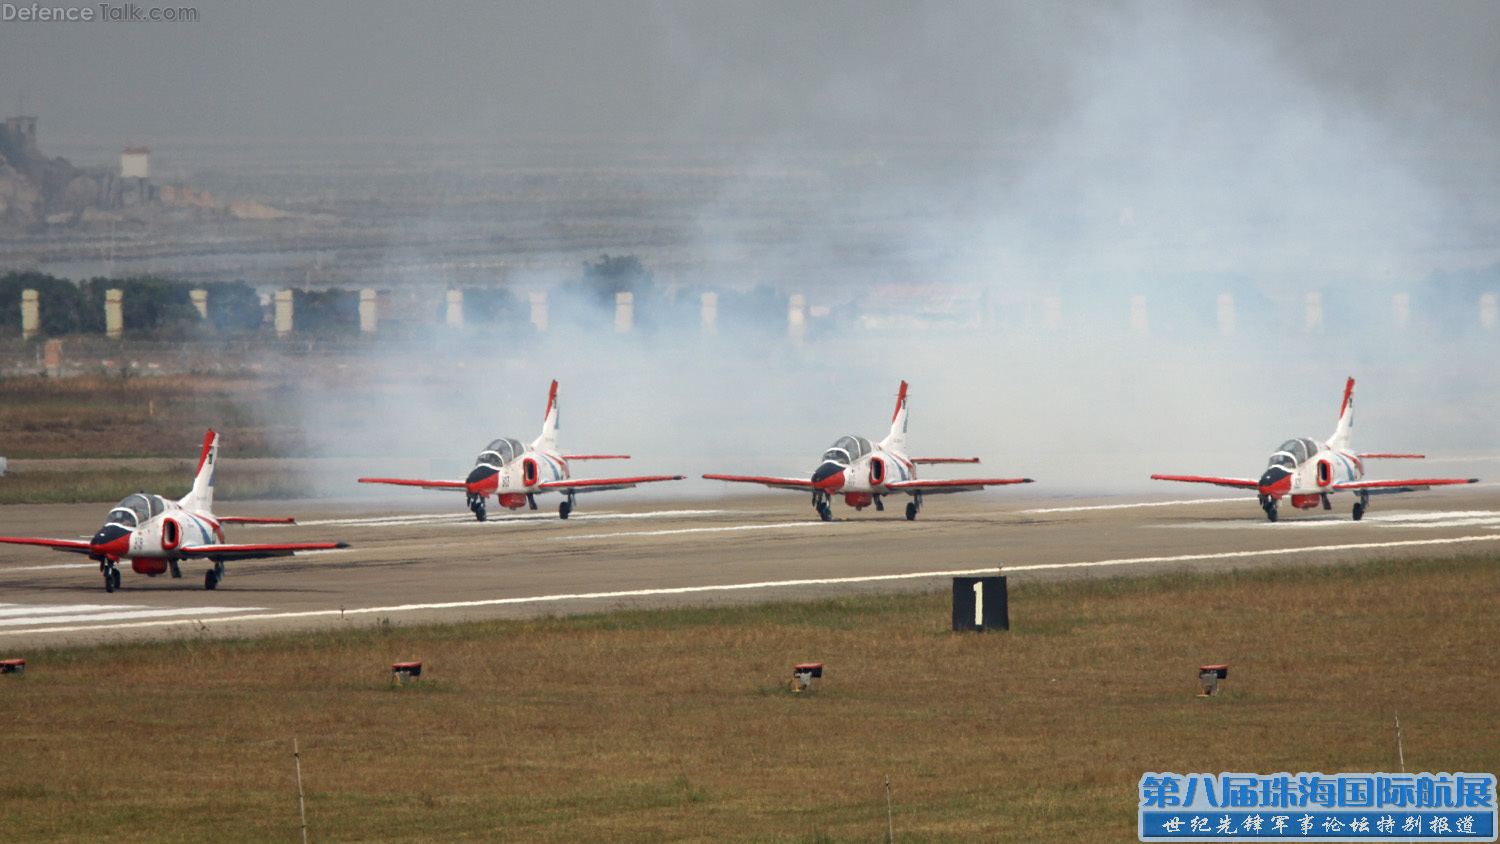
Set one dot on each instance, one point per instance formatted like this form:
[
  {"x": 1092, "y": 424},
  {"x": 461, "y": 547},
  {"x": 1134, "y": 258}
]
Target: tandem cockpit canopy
[
  {"x": 500, "y": 452},
  {"x": 135, "y": 509},
  {"x": 1292, "y": 453},
  {"x": 847, "y": 450}
]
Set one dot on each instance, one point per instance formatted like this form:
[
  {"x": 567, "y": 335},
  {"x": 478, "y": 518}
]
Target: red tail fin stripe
[
  {"x": 208, "y": 442},
  {"x": 900, "y": 400},
  {"x": 1348, "y": 391},
  {"x": 551, "y": 401}
]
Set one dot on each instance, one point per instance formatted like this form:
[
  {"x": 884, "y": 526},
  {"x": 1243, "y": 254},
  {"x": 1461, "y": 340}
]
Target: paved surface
[{"x": 619, "y": 551}]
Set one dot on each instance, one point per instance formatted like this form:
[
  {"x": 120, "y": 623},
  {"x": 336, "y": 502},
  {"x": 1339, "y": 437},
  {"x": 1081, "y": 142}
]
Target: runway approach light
[
  {"x": 406, "y": 672},
  {"x": 1209, "y": 677},
  {"x": 12, "y": 666},
  {"x": 805, "y": 677}
]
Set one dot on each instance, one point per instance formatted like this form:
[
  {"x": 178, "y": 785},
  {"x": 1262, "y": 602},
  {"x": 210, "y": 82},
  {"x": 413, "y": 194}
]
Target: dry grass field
[
  {"x": 163, "y": 416},
  {"x": 677, "y": 726}
]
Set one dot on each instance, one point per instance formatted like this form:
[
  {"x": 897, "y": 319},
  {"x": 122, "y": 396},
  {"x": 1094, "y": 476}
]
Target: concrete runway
[{"x": 620, "y": 550}]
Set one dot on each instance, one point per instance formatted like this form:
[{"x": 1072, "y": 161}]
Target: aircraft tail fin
[
  {"x": 896, "y": 440},
  {"x": 1341, "y": 434},
  {"x": 201, "y": 498},
  {"x": 548, "y": 440}
]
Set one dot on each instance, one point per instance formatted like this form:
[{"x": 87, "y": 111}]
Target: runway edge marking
[{"x": 771, "y": 584}]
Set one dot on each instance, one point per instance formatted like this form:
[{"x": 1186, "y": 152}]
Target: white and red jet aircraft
[
  {"x": 863, "y": 472},
  {"x": 514, "y": 473},
  {"x": 155, "y": 533},
  {"x": 1310, "y": 472}
]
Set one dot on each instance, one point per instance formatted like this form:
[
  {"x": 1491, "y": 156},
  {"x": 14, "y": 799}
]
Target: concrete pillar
[
  {"x": 114, "y": 314},
  {"x": 624, "y": 312},
  {"x": 200, "y": 301},
  {"x": 1226, "y": 314},
  {"x": 1051, "y": 312},
  {"x": 31, "y": 314},
  {"x": 369, "y": 311},
  {"x": 283, "y": 313},
  {"x": 1489, "y": 311},
  {"x": 1315, "y": 311},
  {"x": 710, "y": 312},
  {"x": 1401, "y": 310},
  {"x": 455, "y": 309},
  {"x": 54, "y": 358},
  {"x": 539, "y": 310},
  {"x": 1138, "y": 321},
  {"x": 796, "y": 317}
]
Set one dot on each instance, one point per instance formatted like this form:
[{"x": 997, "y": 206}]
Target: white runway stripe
[
  {"x": 13, "y": 615},
  {"x": 1132, "y": 506},
  {"x": 675, "y": 531},
  {"x": 741, "y": 587},
  {"x": 502, "y": 519}
]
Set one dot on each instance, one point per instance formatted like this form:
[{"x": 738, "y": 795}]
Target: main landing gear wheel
[
  {"x": 564, "y": 509},
  {"x": 1359, "y": 511},
  {"x": 210, "y": 579},
  {"x": 911, "y": 511}
]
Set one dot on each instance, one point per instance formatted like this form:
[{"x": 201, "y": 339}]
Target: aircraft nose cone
[
  {"x": 828, "y": 477},
  {"x": 1275, "y": 481},
  {"x": 110, "y": 541},
  {"x": 482, "y": 479}
]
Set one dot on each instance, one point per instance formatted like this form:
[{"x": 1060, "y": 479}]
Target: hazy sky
[{"x": 820, "y": 72}]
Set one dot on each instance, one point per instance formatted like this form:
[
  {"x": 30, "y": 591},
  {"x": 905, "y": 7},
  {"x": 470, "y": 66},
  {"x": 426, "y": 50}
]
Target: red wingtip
[
  {"x": 900, "y": 400},
  {"x": 208, "y": 441}
]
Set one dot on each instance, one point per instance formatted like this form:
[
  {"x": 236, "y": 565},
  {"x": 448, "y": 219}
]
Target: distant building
[{"x": 135, "y": 163}]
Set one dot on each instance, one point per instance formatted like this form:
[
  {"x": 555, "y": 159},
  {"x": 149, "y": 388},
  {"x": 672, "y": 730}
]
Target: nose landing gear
[
  {"x": 476, "y": 503},
  {"x": 1268, "y": 503},
  {"x": 111, "y": 572},
  {"x": 823, "y": 503}
]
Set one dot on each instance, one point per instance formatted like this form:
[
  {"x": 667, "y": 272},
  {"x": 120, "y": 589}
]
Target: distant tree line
[{"x": 153, "y": 306}]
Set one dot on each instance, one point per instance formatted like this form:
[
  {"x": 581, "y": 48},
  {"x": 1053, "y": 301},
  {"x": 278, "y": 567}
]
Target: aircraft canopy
[
  {"x": 1292, "y": 453},
  {"x": 135, "y": 509},
  {"x": 500, "y": 452},
  {"x": 846, "y": 450}
]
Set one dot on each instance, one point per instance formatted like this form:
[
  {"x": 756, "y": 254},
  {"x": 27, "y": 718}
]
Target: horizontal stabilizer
[
  {"x": 776, "y": 483},
  {"x": 1246, "y": 483}
]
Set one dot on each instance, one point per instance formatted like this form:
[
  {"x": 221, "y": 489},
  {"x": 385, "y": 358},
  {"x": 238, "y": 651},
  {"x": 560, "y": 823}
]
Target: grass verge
[{"x": 675, "y": 725}]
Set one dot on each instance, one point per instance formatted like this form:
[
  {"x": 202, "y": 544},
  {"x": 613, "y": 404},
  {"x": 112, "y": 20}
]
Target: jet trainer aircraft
[
  {"x": 514, "y": 473},
  {"x": 865, "y": 472},
  {"x": 156, "y": 534},
  {"x": 1309, "y": 472}
]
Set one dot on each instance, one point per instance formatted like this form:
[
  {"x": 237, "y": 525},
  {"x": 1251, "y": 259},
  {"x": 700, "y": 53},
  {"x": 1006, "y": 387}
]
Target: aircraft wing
[
  {"x": 76, "y": 545},
  {"x": 247, "y": 520},
  {"x": 1392, "y": 456},
  {"x": 251, "y": 552},
  {"x": 944, "y": 459},
  {"x": 603, "y": 484},
  {"x": 958, "y": 485},
  {"x": 776, "y": 483},
  {"x": 423, "y": 484},
  {"x": 596, "y": 457},
  {"x": 1403, "y": 486},
  {"x": 1195, "y": 479}
]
